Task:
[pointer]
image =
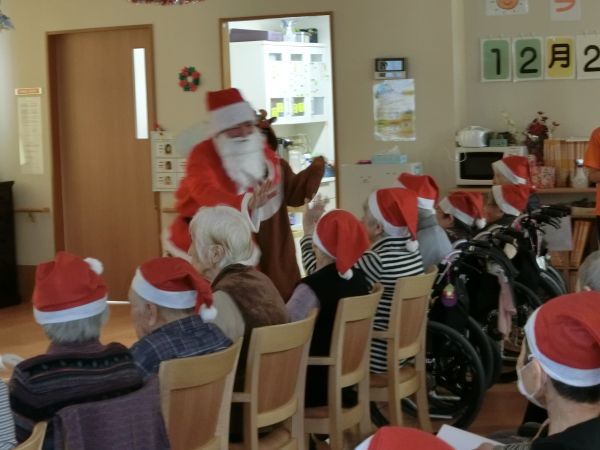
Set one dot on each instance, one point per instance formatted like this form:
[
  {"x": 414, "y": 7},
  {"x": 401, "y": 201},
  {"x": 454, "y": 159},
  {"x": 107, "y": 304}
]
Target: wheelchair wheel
[
  {"x": 558, "y": 278},
  {"x": 548, "y": 287},
  {"x": 455, "y": 380},
  {"x": 491, "y": 361}
]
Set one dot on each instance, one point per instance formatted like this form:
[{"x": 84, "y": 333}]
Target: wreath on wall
[{"x": 189, "y": 79}]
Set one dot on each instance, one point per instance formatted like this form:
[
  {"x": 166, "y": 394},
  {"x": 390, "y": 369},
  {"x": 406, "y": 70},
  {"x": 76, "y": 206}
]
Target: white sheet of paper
[
  {"x": 31, "y": 151},
  {"x": 560, "y": 239},
  {"x": 461, "y": 439}
]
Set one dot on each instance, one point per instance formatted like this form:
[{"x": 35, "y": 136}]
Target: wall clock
[{"x": 506, "y": 7}]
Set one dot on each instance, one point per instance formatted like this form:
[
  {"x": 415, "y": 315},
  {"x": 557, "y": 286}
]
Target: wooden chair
[
  {"x": 348, "y": 364},
  {"x": 274, "y": 385},
  {"x": 36, "y": 440},
  {"x": 195, "y": 397},
  {"x": 405, "y": 338}
]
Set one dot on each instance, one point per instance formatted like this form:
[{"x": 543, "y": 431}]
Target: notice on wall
[
  {"x": 495, "y": 60},
  {"x": 506, "y": 7},
  {"x": 31, "y": 151},
  {"x": 588, "y": 56},
  {"x": 394, "y": 110},
  {"x": 528, "y": 62},
  {"x": 565, "y": 10},
  {"x": 560, "y": 57},
  {"x": 168, "y": 166}
]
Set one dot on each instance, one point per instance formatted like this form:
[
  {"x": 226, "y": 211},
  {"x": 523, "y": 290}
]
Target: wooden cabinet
[{"x": 9, "y": 293}]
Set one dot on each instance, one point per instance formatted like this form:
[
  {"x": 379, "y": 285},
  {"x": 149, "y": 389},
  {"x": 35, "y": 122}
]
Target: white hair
[
  {"x": 589, "y": 272},
  {"x": 225, "y": 226},
  {"x": 76, "y": 331}
]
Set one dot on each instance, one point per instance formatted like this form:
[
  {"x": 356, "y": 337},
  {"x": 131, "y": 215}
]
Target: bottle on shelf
[{"x": 580, "y": 178}]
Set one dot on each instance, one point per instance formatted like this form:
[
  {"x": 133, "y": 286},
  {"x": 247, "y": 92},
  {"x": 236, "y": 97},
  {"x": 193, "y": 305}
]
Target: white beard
[{"x": 243, "y": 158}]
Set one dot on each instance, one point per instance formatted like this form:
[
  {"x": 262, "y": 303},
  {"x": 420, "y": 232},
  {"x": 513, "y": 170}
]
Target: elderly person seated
[
  {"x": 434, "y": 243},
  {"x": 559, "y": 370},
  {"x": 588, "y": 276},
  {"x": 223, "y": 251},
  {"x": 333, "y": 280},
  {"x": 391, "y": 222},
  {"x": 69, "y": 301},
  {"x": 164, "y": 295}
]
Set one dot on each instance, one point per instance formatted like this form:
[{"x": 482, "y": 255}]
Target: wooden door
[{"x": 103, "y": 200}]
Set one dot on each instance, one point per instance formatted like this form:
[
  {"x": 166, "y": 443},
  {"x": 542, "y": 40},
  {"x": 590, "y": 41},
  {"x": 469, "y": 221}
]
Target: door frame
[
  {"x": 226, "y": 72},
  {"x": 53, "y": 89}
]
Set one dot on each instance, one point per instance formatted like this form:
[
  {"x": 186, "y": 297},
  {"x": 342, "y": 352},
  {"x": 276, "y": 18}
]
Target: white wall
[
  {"x": 572, "y": 103},
  {"x": 420, "y": 30}
]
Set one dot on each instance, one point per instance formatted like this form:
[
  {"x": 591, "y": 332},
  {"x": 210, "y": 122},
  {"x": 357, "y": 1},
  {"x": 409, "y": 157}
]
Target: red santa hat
[
  {"x": 424, "y": 186},
  {"x": 514, "y": 168},
  {"x": 465, "y": 206},
  {"x": 343, "y": 237},
  {"x": 396, "y": 210},
  {"x": 174, "y": 283},
  {"x": 564, "y": 336},
  {"x": 68, "y": 288},
  {"x": 227, "y": 109},
  {"x": 511, "y": 198},
  {"x": 387, "y": 438}
]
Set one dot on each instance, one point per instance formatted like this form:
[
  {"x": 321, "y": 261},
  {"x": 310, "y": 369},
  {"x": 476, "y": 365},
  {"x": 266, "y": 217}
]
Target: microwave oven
[{"x": 474, "y": 165}]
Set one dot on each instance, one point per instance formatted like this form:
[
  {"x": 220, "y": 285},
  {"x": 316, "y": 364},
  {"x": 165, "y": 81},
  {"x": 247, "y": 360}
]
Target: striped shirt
[
  {"x": 7, "y": 424},
  {"x": 387, "y": 261}
]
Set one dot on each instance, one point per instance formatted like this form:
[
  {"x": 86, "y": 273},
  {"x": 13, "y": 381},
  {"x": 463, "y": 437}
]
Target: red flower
[
  {"x": 182, "y": 83},
  {"x": 196, "y": 74},
  {"x": 193, "y": 87}
]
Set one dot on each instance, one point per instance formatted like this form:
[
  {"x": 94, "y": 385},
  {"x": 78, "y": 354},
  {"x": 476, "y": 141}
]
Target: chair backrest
[
  {"x": 351, "y": 336},
  {"x": 408, "y": 315},
  {"x": 276, "y": 372},
  {"x": 197, "y": 390},
  {"x": 36, "y": 440}
]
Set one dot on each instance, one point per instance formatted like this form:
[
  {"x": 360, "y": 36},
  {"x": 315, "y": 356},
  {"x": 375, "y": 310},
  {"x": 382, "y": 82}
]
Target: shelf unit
[{"x": 291, "y": 80}]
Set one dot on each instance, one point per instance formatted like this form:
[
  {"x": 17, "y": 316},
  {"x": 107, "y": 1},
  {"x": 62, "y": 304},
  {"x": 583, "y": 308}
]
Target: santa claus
[{"x": 236, "y": 167}]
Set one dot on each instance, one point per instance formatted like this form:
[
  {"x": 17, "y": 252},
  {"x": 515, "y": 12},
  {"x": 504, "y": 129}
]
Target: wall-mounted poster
[
  {"x": 588, "y": 56},
  {"x": 506, "y": 7},
  {"x": 394, "y": 110},
  {"x": 495, "y": 59},
  {"x": 168, "y": 166},
  {"x": 565, "y": 9},
  {"x": 528, "y": 59},
  {"x": 560, "y": 57}
]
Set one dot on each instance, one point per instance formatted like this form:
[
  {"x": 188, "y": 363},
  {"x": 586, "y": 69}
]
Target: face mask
[{"x": 523, "y": 390}]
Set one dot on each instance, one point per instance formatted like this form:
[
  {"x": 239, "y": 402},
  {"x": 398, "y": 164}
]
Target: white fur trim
[
  {"x": 501, "y": 167},
  {"x": 95, "y": 265},
  {"x": 168, "y": 299},
  {"x": 231, "y": 115},
  {"x": 347, "y": 275},
  {"x": 67, "y": 315},
  {"x": 319, "y": 244},
  {"x": 425, "y": 203},
  {"x": 412, "y": 246},
  {"x": 208, "y": 313},
  {"x": 252, "y": 216},
  {"x": 502, "y": 203},
  {"x": 446, "y": 206},
  {"x": 169, "y": 246},
  {"x": 480, "y": 223},
  {"x": 557, "y": 371},
  {"x": 388, "y": 228}
]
